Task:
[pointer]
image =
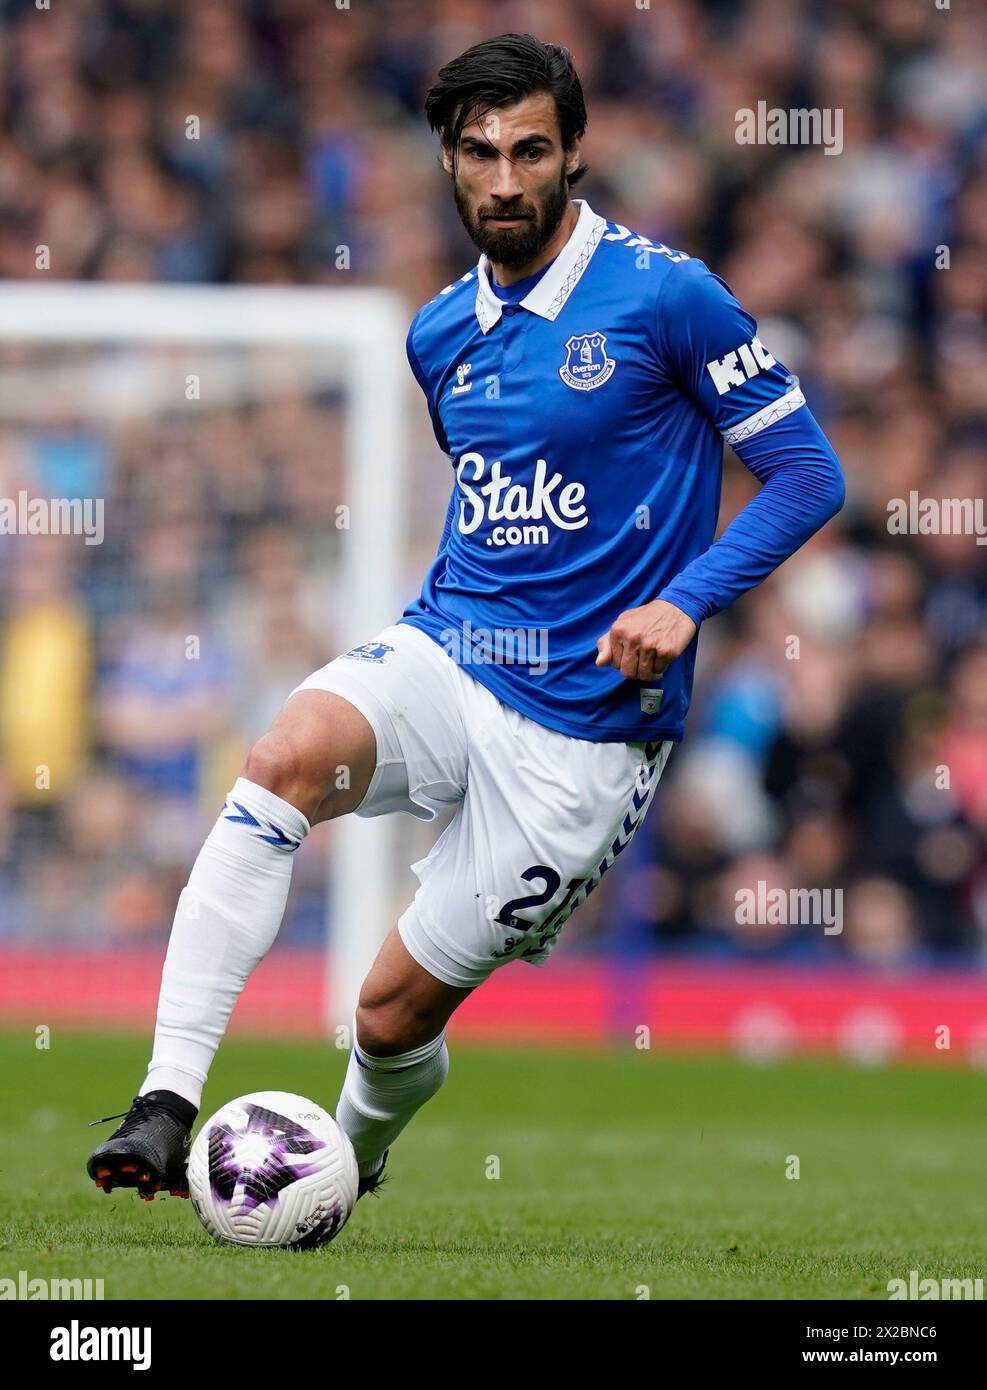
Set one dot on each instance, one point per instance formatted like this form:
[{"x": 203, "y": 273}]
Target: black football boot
[
  {"x": 149, "y": 1150},
  {"x": 375, "y": 1180}
]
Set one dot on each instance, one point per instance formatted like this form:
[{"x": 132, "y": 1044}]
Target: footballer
[{"x": 582, "y": 380}]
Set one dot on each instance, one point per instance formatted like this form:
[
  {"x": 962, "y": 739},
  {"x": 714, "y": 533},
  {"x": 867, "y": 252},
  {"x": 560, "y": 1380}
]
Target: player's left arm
[{"x": 711, "y": 345}]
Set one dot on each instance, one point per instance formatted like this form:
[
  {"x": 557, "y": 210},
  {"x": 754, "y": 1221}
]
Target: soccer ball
[{"x": 273, "y": 1169}]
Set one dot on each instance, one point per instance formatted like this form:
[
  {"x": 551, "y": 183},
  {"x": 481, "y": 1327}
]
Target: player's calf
[
  {"x": 227, "y": 918},
  {"x": 399, "y": 1058}
]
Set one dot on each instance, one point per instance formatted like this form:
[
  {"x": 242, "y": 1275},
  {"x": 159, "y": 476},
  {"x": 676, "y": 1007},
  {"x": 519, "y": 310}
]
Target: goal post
[{"x": 356, "y": 336}]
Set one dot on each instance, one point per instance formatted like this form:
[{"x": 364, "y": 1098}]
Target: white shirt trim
[
  {"x": 769, "y": 415},
  {"x": 549, "y": 296}
]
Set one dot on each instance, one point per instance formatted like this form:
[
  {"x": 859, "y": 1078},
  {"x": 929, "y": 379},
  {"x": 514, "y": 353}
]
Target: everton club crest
[{"x": 587, "y": 365}]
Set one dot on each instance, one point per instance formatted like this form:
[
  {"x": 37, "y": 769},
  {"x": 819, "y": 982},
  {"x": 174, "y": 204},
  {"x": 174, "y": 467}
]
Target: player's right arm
[{"x": 414, "y": 361}]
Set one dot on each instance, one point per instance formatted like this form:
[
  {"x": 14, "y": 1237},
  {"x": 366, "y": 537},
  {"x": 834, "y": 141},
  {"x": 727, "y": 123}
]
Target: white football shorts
[{"x": 542, "y": 816}]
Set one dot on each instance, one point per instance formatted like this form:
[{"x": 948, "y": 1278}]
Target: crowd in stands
[{"x": 838, "y": 737}]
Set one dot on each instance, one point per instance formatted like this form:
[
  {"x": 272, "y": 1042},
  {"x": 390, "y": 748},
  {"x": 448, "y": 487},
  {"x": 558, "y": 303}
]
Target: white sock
[
  {"x": 227, "y": 918},
  {"x": 380, "y": 1095}
]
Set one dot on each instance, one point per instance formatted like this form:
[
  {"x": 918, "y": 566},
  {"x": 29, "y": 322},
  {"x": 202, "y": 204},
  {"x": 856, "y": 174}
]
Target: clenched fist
[{"x": 643, "y": 641}]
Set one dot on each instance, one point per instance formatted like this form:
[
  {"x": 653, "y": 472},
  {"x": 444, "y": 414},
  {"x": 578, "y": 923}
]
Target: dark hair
[{"x": 499, "y": 72}]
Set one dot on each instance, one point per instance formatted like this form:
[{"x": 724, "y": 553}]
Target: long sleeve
[
  {"x": 710, "y": 345},
  {"x": 414, "y": 362},
  {"x": 802, "y": 488}
]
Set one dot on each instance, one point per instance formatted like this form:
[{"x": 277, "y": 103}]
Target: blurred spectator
[{"x": 45, "y": 657}]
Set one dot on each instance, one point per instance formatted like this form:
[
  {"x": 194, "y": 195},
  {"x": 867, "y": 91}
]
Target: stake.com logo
[{"x": 500, "y": 498}]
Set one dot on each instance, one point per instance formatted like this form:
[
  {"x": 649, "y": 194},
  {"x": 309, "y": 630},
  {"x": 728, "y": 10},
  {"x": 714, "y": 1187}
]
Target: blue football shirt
[{"x": 585, "y": 426}]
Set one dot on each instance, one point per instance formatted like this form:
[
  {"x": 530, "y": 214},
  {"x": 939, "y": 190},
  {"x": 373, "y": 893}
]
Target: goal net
[{"x": 203, "y": 496}]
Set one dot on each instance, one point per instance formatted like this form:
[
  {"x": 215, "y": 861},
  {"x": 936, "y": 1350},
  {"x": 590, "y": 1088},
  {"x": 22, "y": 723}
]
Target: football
[{"x": 273, "y": 1169}]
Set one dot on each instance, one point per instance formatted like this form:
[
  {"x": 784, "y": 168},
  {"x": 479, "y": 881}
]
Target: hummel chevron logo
[{"x": 279, "y": 839}]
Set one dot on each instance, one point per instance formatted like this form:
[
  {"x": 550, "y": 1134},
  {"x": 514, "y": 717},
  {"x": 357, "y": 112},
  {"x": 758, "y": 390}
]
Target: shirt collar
[{"x": 549, "y": 296}]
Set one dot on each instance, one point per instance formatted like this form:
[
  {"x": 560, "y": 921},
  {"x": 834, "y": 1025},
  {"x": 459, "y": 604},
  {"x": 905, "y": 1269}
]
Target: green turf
[{"x": 618, "y": 1170}]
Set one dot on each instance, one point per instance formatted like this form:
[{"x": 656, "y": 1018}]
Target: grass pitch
[{"x": 618, "y": 1172}]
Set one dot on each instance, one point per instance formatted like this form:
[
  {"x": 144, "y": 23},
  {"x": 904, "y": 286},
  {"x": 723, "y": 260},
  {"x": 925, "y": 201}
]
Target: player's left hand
[{"x": 643, "y": 641}]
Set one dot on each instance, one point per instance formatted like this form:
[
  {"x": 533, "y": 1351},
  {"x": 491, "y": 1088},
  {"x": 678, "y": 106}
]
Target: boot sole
[{"x": 122, "y": 1169}]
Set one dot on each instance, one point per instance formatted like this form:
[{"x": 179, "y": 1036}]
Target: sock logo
[{"x": 279, "y": 839}]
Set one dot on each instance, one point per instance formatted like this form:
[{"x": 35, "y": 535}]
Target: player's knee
[
  {"x": 276, "y": 763},
  {"x": 387, "y": 1028}
]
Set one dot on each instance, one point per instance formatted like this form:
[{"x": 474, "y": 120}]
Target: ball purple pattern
[{"x": 282, "y": 1138}]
